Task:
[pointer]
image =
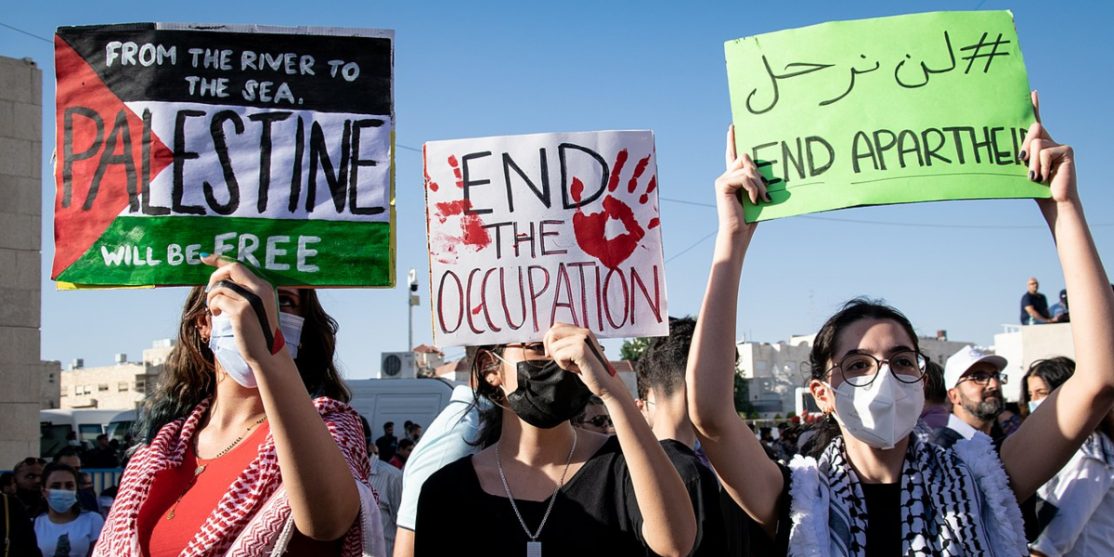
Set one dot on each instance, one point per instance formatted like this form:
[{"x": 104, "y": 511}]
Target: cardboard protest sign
[
  {"x": 889, "y": 110},
  {"x": 270, "y": 145},
  {"x": 529, "y": 230}
]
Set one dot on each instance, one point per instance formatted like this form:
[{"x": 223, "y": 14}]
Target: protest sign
[
  {"x": 270, "y": 145},
  {"x": 890, "y": 110},
  {"x": 529, "y": 230}
]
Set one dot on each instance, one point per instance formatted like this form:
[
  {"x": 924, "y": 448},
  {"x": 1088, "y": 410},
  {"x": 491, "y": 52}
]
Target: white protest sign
[{"x": 526, "y": 231}]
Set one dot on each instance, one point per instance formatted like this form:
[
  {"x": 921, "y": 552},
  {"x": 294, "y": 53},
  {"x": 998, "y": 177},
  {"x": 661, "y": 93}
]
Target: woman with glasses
[
  {"x": 875, "y": 489},
  {"x": 594, "y": 417},
  {"x": 541, "y": 486}
]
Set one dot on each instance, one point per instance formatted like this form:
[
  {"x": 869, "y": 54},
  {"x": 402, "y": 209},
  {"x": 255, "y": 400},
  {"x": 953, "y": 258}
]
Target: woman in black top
[
  {"x": 541, "y": 487},
  {"x": 877, "y": 489}
]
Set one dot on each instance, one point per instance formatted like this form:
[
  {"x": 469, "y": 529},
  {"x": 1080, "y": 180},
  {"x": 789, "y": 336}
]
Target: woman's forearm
[
  {"x": 323, "y": 495},
  {"x": 669, "y": 528}
]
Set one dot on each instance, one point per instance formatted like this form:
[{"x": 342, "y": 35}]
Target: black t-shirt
[
  {"x": 595, "y": 513},
  {"x": 883, "y": 515},
  {"x": 704, "y": 491},
  {"x": 1039, "y": 303}
]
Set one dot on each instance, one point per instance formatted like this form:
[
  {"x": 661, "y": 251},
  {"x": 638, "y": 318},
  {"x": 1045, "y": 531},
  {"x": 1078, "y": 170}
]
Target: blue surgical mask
[
  {"x": 1033, "y": 404},
  {"x": 61, "y": 500},
  {"x": 222, "y": 341}
]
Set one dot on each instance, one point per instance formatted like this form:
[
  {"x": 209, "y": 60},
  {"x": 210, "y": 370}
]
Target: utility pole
[{"x": 413, "y": 300}]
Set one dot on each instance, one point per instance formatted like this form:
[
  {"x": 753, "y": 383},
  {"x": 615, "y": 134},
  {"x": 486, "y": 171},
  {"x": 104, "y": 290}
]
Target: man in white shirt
[
  {"x": 386, "y": 480},
  {"x": 974, "y": 380}
]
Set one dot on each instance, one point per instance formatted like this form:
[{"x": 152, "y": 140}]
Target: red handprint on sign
[
  {"x": 591, "y": 229},
  {"x": 472, "y": 231}
]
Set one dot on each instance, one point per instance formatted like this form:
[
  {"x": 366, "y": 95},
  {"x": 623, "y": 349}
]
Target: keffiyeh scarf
[
  {"x": 254, "y": 517},
  {"x": 953, "y": 503}
]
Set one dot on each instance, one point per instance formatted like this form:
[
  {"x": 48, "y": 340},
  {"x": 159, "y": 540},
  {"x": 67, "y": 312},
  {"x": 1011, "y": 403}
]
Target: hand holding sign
[{"x": 1049, "y": 162}]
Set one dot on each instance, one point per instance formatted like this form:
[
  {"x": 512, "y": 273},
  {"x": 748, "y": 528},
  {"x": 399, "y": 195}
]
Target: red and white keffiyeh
[{"x": 254, "y": 517}]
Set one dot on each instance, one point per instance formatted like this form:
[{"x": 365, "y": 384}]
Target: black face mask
[{"x": 547, "y": 395}]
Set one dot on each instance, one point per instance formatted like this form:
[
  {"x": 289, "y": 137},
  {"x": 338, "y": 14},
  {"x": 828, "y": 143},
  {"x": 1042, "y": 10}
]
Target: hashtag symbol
[{"x": 977, "y": 52}]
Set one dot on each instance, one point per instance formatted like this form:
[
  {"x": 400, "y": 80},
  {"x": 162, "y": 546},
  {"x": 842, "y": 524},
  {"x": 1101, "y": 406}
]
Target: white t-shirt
[{"x": 72, "y": 539}]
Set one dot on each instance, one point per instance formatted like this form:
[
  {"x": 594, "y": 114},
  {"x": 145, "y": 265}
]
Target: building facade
[
  {"x": 20, "y": 244},
  {"x": 122, "y": 386}
]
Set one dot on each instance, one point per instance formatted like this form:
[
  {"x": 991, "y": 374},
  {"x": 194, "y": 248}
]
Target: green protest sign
[
  {"x": 270, "y": 145},
  {"x": 898, "y": 109}
]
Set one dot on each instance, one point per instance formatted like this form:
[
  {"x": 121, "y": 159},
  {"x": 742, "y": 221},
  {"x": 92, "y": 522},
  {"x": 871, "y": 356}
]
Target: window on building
[
  {"x": 102, "y": 387},
  {"x": 140, "y": 385},
  {"x": 122, "y": 387}
]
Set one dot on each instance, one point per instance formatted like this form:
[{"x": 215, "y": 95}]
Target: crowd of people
[{"x": 249, "y": 448}]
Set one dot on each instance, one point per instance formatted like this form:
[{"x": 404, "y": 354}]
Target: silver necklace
[{"x": 534, "y": 547}]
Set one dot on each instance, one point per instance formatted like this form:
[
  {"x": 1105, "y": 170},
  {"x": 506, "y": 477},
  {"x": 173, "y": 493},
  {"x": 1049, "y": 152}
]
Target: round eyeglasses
[{"x": 860, "y": 370}]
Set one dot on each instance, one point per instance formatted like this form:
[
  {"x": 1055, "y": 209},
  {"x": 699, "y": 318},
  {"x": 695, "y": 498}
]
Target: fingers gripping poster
[
  {"x": 273, "y": 146},
  {"x": 526, "y": 231}
]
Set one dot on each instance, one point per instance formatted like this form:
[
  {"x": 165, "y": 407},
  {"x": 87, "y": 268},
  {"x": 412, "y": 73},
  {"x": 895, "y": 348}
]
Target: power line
[
  {"x": 28, "y": 33},
  {"x": 890, "y": 223}
]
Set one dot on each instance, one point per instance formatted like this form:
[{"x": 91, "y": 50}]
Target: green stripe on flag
[{"x": 164, "y": 251}]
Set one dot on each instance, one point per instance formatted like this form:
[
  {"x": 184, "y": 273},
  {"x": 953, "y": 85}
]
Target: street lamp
[{"x": 413, "y": 300}]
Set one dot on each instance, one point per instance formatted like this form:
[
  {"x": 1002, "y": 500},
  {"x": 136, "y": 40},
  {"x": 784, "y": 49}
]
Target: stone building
[
  {"x": 122, "y": 386},
  {"x": 20, "y": 244}
]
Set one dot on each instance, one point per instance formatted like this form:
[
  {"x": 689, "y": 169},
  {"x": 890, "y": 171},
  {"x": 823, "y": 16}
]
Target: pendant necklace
[
  {"x": 534, "y": 547},
  {"x": 201, "y": 464}
]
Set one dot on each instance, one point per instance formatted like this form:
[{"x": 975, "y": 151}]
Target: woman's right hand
[
  {"x": 740, "y": 178},
  {"x": 1049, "y": 162}
]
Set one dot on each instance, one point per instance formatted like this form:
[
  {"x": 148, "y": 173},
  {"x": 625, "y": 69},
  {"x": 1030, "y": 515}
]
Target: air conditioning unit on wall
[{"x": 397, "y": 365}]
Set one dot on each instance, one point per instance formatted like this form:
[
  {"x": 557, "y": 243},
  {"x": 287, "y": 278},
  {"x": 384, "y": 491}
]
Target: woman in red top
[{"x": 250, "y": 447}]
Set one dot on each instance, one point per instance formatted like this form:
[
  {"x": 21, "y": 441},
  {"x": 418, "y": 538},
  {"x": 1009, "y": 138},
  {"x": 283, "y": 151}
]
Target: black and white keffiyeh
[{"x": 953, "y": 503}]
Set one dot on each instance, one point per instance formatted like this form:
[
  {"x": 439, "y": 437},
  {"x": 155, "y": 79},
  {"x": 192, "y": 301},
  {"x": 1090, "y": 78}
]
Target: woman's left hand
[
  {"x": 1049, "y": 162},
  {"x": 568, "y": 346},
  {"x": 222, "y": 299}
]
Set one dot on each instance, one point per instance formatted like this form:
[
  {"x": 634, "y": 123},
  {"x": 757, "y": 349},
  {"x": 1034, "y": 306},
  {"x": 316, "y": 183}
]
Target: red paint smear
[
  {"x": 456, "y": 170},
  {"x": 452, "y": 161},
  {"x": 591, "y": 233},
  {"x": 425, "y": 170},
  {"x": 654, "y": 222},
  {"x": 473, "y": 228},
  {"x": 638, "y": 170},
  {"x": 75, "y": 229},
  {"x": 616, "y": 169},
  {"x": 476, "y": 310},
  {"x": 577, "y": 189}
]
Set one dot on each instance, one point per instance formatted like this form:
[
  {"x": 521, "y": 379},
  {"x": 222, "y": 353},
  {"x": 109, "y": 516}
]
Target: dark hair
[
  {"x": 66, "y": 451},
  {"x": 367, "y": 429},
  {"x": 6, "y": 479},
  {"x": 59, "y": 467},
  {"x": 188, "y": 378},
  {"x": 491, "y": 415},
  {"x": 1053, "y": 371},
  {"x": 27, "y": 462},
  {"x": 388, "y": 424},
  {"x": 662, "y": 365},
  {"x": 405, "y": 443},
  {"x": 934, "y": 389},
  {"x": 823, "y": 351}
]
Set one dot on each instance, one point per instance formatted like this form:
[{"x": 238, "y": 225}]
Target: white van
[
  {"x": 87, "y": 423},
  {"x": 398, "y": 400}
]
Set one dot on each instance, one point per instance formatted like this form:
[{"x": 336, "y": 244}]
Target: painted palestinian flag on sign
[{"x": 274, "y": 146}]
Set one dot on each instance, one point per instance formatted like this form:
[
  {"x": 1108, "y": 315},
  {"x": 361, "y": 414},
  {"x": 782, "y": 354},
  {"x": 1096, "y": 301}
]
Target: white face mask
[
  {"x": 1033, "y": 404},
  {"x": 882, "y": 413},
  {"x": 222, "y": 341}
]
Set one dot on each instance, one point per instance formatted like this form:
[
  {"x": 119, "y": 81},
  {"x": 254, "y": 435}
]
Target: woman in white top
[
  {"x": 1078, "y": 512},
  {"x": 65, "y": 530}
]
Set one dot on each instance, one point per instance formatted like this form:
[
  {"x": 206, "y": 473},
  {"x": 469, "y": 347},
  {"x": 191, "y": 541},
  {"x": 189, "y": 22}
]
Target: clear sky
[{"x": 467, "y": 69}]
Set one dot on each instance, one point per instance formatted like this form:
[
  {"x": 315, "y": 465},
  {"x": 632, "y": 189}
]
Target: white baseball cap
[{"x": 961, "y": 361}]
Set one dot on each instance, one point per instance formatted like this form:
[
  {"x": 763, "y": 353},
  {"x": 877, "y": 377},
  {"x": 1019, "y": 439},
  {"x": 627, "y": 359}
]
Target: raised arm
[
  {"x": 668, "y": 528},
  {"x": 748, "y": 475},
  {"x": 323, "y": 496},
  {"x": 1072, "y": 412}
]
